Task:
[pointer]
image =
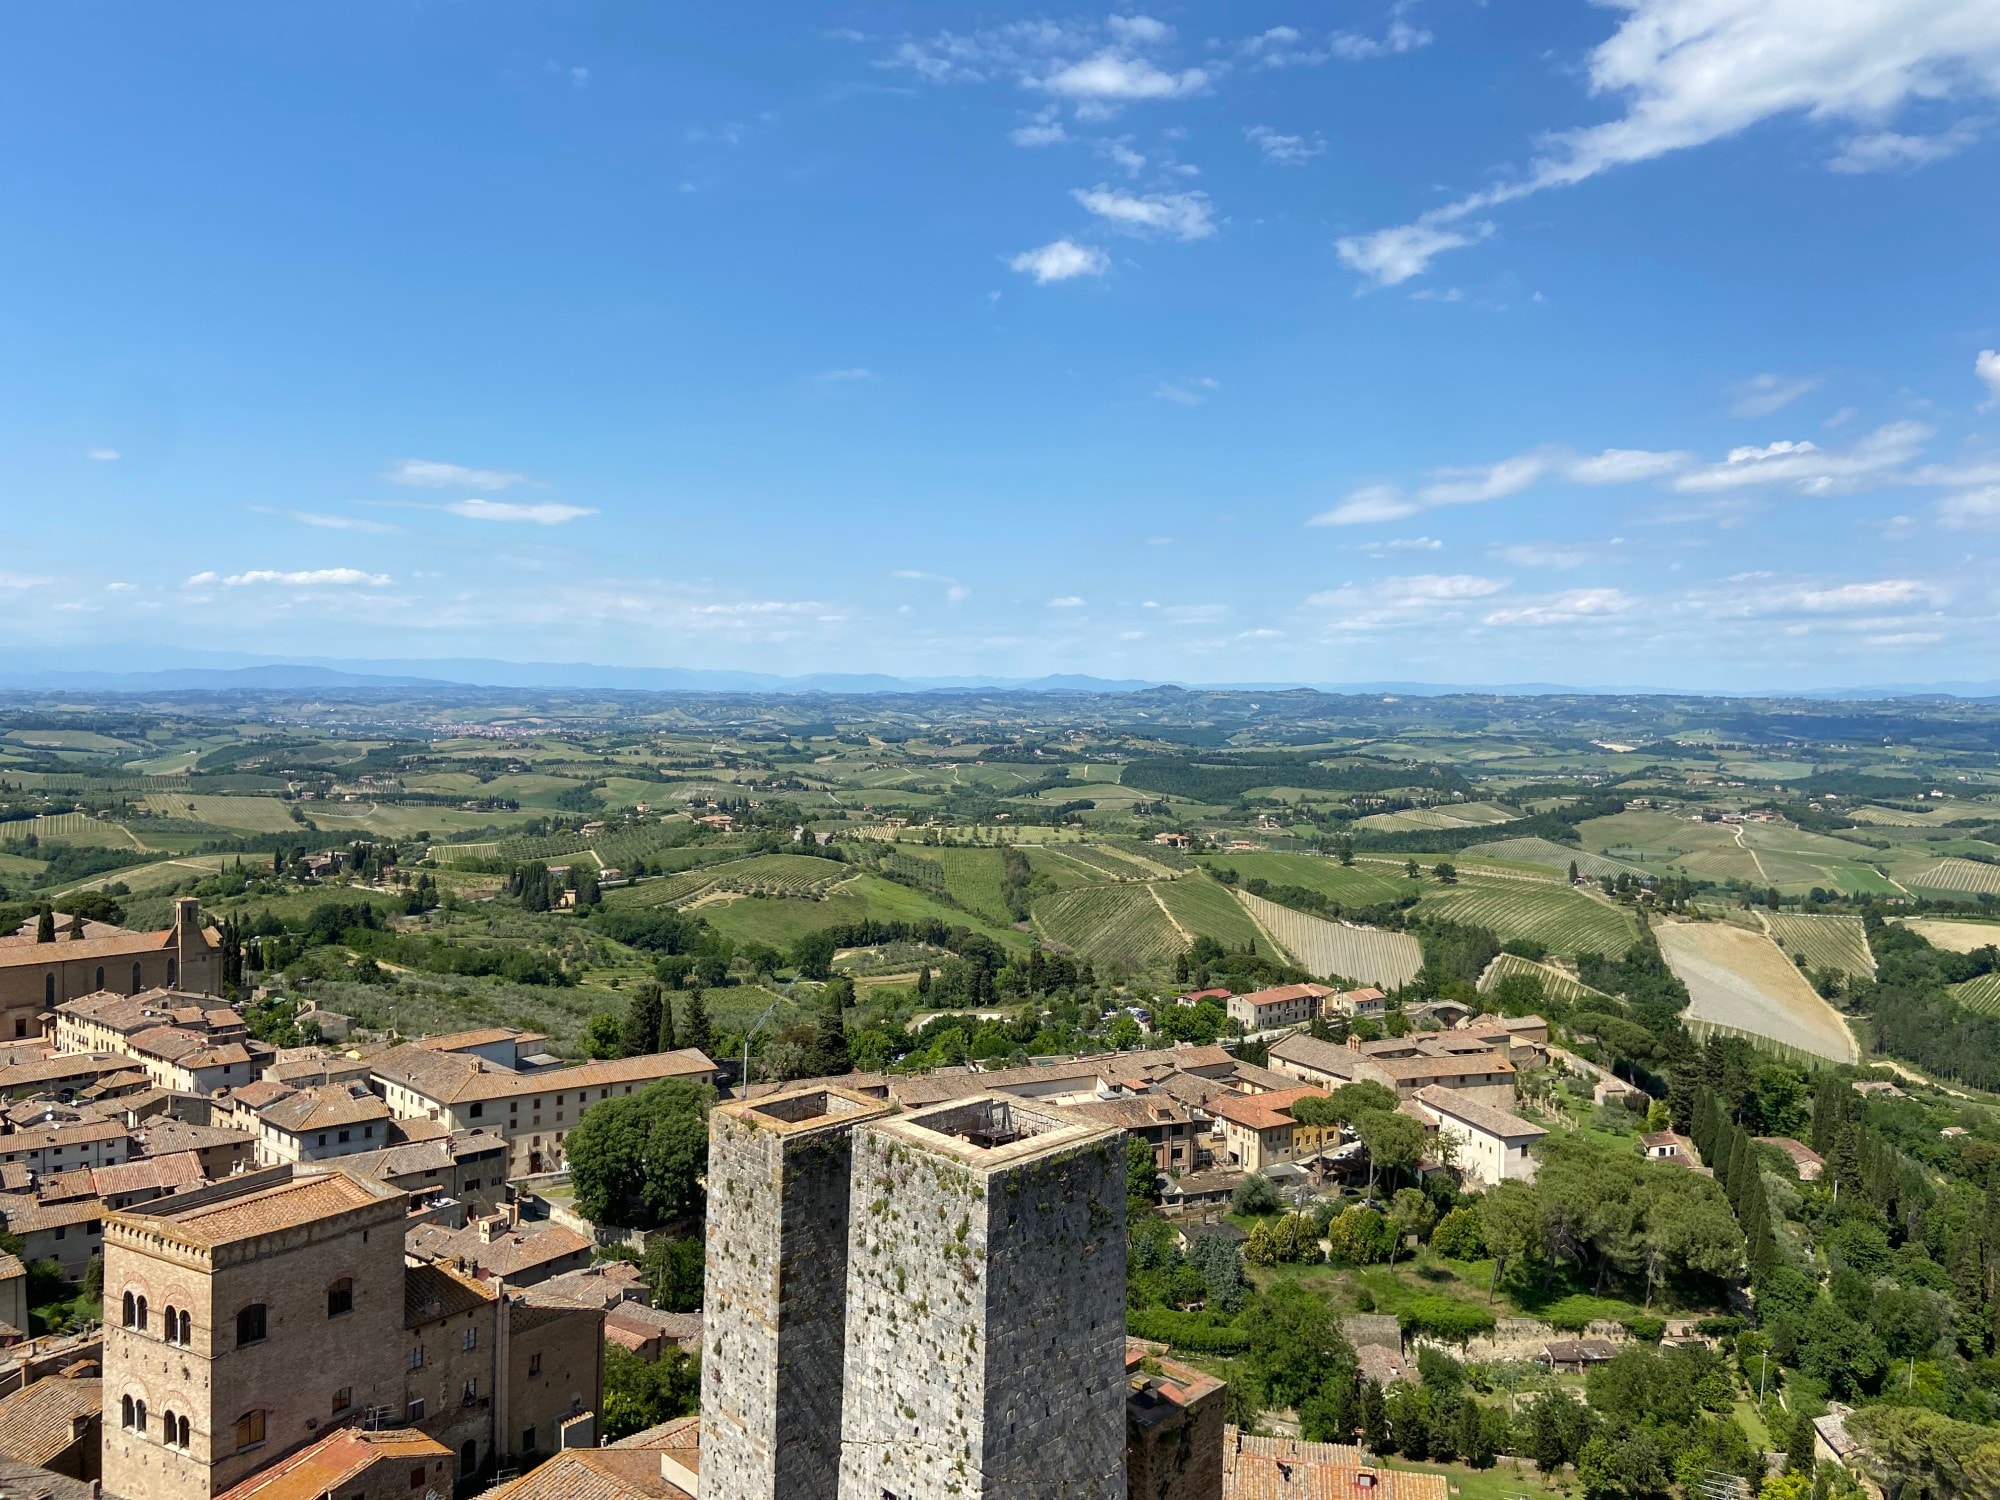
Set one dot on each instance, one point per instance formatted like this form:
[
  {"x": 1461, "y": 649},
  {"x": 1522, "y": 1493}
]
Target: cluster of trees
[
  {"x": 638, "y": 1159},
  {"x": 651, "y": 1023},
  {"x": 538, "y": 889},
  {"x": 1916, "y": 1017}
]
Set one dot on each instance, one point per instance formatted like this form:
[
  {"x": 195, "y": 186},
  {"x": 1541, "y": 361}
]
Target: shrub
[
  {"x": 1198, "y": 1333},
  {"x": 1459, "y": 1236},
  {"x": 1446, "y": 1318},
  {"x": 1647, "y": 1329}
]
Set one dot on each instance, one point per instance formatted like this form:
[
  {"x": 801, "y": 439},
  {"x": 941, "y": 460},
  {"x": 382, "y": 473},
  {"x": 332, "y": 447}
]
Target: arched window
[
  {"x": 173, "y": 971},
  {"x": 250, "y": 1325},
  {"x": 124, "y": 1411},
  {"x": 131, "y": 1315},
  {"x": 100, "y": 977},
  {"x": 139, "y": 1417},
  {"x": 340, "y": 1297},
  {"x": 187, "y": 1329},
  {"x": 49, "y": 990},
  {"x": 141, "y": 1323},
  {"x": 167, "y": 1427},
  {"x": 135, "y": 977},
  {"x": 173, "y": 1328},
  {"x": 182, "y": 1437}
]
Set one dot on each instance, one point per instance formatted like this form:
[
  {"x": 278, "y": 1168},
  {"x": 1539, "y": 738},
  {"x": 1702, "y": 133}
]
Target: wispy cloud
[
  {"x": 1288, "y": 47},
  {"x": 1060, "y": 260},
  {"x": 430, "y": 474},
  {"x": 1565, "y": 608},
  {"x": 302, "y": 579},
  {"x": 1888, "y": 150},
  {"x": 547, "y": 513},
  {"x": 1181, "y": 216},
  {"x": 851, "y": 376},
  {"x": 1285, "y": 150},
  {"x": 1987, "y": 368},
  {"x": 1067, "y": 601},
  {"x": 1475, "y": 484},
  {"x": 1808, "y": 467},
  {"x": 1761, "y": 395},
  {"x": 104, "y": 455},
  {"x": 327, "y": 522},
  {"x": 1190, "y": 392},
  {"x": 1689, "y": 72},
  {"x": 954, "y": 591}
]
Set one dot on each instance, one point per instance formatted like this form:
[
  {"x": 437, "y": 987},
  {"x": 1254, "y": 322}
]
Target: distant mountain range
[{"x": 236, "y": 672}]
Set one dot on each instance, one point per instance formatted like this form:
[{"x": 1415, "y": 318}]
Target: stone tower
[
  {"x": 243, "y": 1320},
  {"x": 774, "y": 1324},
  {"x": 985, "y": 1306}
]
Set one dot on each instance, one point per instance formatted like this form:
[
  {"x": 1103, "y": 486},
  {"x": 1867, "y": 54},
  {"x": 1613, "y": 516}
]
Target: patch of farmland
[
  {"x": 667, "y": 890},
  {"x": 1793, "y": 859},
  {"x": 1551, "y": 855},
  {"x": 255, "y": 814},
  {"x": 1111, "y": 924},
  {"x": 1567, "y": 921},
  {"x": 1825, "y": 942},
  {"x": 1981, "y": 994},
  {"x": 74, "y": 828},
  {"x": 1959, "y": 875},
  {"x": 1954, "y": 937},
  {"x": 1106, "y": 865},
  {"x": 1207, "y": 910},
  {"x": 1556, "y": 984},
  {"x": 1740, "y": 980},
  {"x": 1350, "y": 885},
  {"x": 1903, "y": 817},
  {"x": 1447, "y": 815},
  {"x": 1371, "y": 955},
  {"x": 972, "y": 878},
  {"x": 778, "y": 875}
]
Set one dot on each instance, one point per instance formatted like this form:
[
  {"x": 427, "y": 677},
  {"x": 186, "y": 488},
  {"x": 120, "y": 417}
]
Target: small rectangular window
[
  {"x": 342, "y": 1399},
  {"x": 415, "y": 1413},
  {"x": 534, "y": 1364},
  {"x": 472, "y": 1338}
]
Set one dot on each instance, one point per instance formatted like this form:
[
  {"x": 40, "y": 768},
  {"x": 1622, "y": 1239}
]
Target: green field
[
  {"x": 1350, "y": 885},
  {"x": 1550, "y": 855},
  {"x": 1206, "y": 909},
  {"x": 252, "y": 814},
  {"x": 1981, "y": 994},
  {"x": 1337, "y": 950},
  {"x": 1110, "y": 924},
  {"x": 1568, "y": 921},
  {"x": 1825, "y": 942},
  {"x": 1446, "y": 815},
  {"x": 782, "y": 921},
  {"x": 1556, "y": 984},
  {"x": 1957, "y": 876},
  {"x": 75, "y": 828}
]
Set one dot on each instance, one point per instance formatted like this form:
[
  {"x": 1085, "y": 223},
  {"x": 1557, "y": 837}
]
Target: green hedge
[{"x": 1198, "y": 1333}]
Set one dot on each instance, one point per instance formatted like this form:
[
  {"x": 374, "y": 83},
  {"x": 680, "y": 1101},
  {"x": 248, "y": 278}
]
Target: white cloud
[
  {"x": 120, "y": 588},
  {"x": 1975, "y": 510},
  {"x": 104, "y": 455},
  {"x": 580, "y": 77},
  {"x": 1761, "y": 395},
  {"x": 1187, "y": 392},
  {"x": 1403, "y": 544},
  {"x": 334, "y": 522},
  {"x": 1566, "y": 608},
  {"x": 1352, "y": 46},
  {"x": 1114, "y": 76},
  {"x": 1474, "y": 484},
  {"x": 1182, "y": 216},
  {"x": 1811, "y": 469},
  {"x": 1887, "y": 593},
  {"x": 1039, "y": 133},
  {"x": 1284, "y": 150},
  {"x": 1067, "y": 601},
  {"x": 1987, "y": 368},
  {"x": 1689, "y": 72},
  {"x": 1886, "y": 150},
  {"x": 1060, "y": 260},
  {"x": 1139, "y": 31},
  {"x": 23, "y": 581},
  {"x": 844, "y": 377},
  {"x": 1416, "y": 591},
  {"x": 429, "y": 474},
  {"x": 1542, "y": 555},
  {"x": 1121, "y": 152},
  {"x": 303, "y": 579},
  {"x": 1390, "y": 257},
  {"x": 545, "y": 514},
  {"x": 954, "y": 591},
  {"x": 1906, "y": 638}
]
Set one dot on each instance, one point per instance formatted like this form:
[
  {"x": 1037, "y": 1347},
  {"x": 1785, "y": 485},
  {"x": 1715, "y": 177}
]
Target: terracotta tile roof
[
  {"x": 261, "y": 1094},
  {"x": 285, "y": 1205},
  {"x": 164, "y": 1137},
  {"x": 1279, "y": 994},
  {"x": 594, "y": 1474},
  {"x": 118, "y": 945},
  {"x": 59, "y": 1069},
  {"x": 324, "y": 1108},
  {"x": 1408, "y": 1069},
  {"x": 460, "y": 1078},
  {"x": 1135, "y": 1114},
  {"x": 682, "y": 1328},
  {"x": 1798, "y": 1151},
  {"x": 340, "y": 1457},
  {"x": 506, "y": 1254},
  {"x": 37, "y": 1422},
  {"x": 24, "y": 935},
  {"x": 24, "y": 1216},
  {"x": 680, "y": 1432},
  {"x": 605, "y": 1284},
  {"x": 1289, "y": 1469},
  {"x": 1323, "y": 1057},
  {"x": 431, "y": 1292},
  {"x": 1261, "y": 1111},
  {"x": 458, "y": 1041},
  {"x": 60, "y": 1187},
  {"x": 1484, "y": 1117},
  {"x": 75, "y": 1133},
  {"x": 168, "y": 1173},
  {"x": 10, "y": 1267}
]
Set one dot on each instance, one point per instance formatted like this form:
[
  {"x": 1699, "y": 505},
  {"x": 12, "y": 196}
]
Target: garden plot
[
  {"x": 1742, "y": 981},
  {"x": 1337, "y": 949}
]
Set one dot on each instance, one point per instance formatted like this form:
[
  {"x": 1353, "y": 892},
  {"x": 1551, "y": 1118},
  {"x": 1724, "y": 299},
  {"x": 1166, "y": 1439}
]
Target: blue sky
[{"x": 1647, "y": 342}]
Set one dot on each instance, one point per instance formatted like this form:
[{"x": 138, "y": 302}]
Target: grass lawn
[{"x": 1501, "y": 1482}]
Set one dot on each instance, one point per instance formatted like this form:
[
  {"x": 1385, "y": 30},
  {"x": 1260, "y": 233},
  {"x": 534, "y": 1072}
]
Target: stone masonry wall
[
  {"x": 775, "y": 1310},
  {"x": 985, "y": 1326}
]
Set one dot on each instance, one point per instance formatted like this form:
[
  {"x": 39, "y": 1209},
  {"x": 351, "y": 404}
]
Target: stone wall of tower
[
  {"x": 985, "y": 1321},
  {"x": 774, "y": 1315}
]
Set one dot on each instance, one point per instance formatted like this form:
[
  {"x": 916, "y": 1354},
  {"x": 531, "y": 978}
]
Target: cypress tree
[
  {"x": 669, "y": 1035},
  {"x": 45, "y": 925},
  {"x": 698, "y": 1035},
  {"x": 641, "y": 1030}
]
